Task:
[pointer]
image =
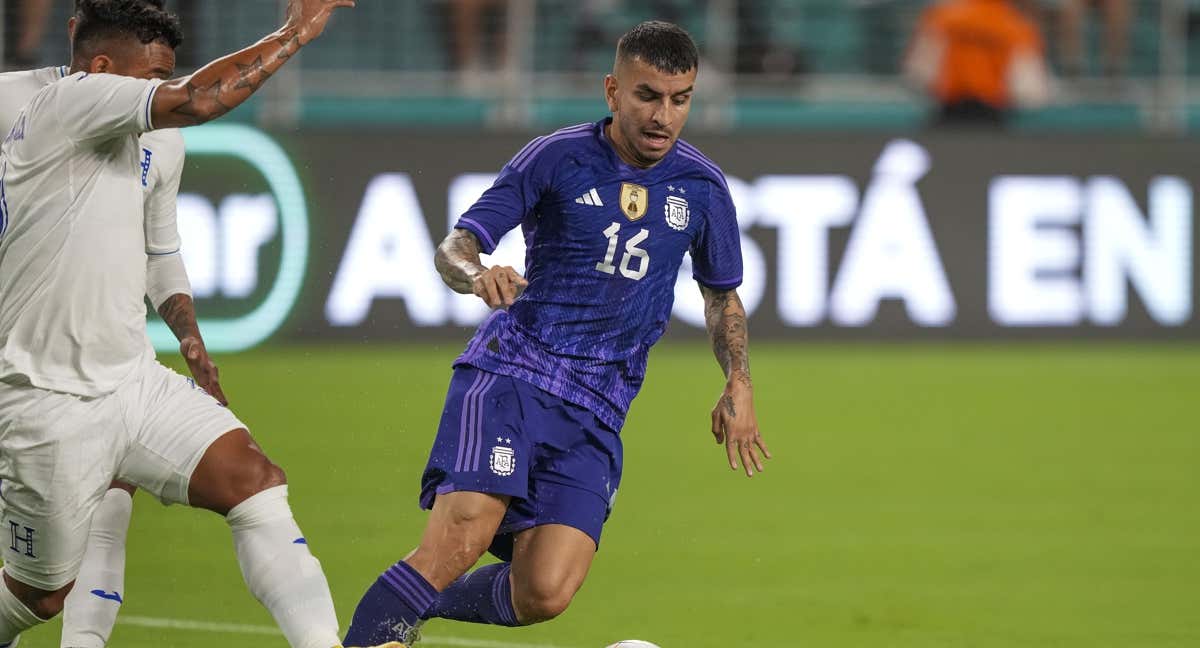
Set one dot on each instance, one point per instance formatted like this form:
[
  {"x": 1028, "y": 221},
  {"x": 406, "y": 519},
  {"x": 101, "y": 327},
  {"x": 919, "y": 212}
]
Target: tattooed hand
[
  {"x": 735, "y": 424},
  {"x": 733, "y": 420},
  {"x": 179, "y": 313},
  {"x": 202, "y": 367},
  {"x": 499, "y": 286}
]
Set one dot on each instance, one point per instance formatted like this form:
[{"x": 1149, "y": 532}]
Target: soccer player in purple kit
[{"x": 527, "y": 457}]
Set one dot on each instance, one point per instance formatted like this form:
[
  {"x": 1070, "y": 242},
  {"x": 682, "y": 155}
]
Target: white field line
[{"x": 251, "y": 629}]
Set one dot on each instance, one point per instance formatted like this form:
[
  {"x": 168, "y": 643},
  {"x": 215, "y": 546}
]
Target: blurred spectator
[
  {"x": 26, "y": 26},
  {"x": 470, "y": 36},
  {"x": 757, "y": 52},
  {"x": 1072, "y": 19},
  {"x": 978, "y": 59}
]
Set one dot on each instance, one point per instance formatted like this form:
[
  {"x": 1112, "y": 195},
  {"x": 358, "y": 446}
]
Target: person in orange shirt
[{"x": 978, "y": 59}]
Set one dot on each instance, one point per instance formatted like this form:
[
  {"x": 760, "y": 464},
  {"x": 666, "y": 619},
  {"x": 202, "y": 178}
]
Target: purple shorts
[{"x": 503, "y": 436}]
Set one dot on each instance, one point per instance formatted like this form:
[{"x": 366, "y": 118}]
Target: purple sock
[
  {"x": 482, "y": 596},
  {"x": 392, "y": 607}
]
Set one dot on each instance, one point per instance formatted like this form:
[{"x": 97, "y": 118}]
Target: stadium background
[{"x": 974, "y": 352}]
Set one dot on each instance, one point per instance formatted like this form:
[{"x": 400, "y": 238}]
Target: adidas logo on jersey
[{"x": 590, "y": 198}]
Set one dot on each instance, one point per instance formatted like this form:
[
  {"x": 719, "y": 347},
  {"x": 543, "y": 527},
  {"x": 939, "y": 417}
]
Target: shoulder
[
  {"x": 27, "y": 80},
  {"x": 697, "y": 164},
  {"x": 53, "y": 87},
  {"x": 16, "y": 89},
  {"x": 551, "y": 148},
  {"x": 88, "y": 84},
  {"x": 19, "y": 87}
]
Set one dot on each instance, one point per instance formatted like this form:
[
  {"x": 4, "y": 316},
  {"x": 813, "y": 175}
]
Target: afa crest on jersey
[
  {"x": 503, "y": 462},
  {"x": 677, "y": 212},
  {"x": 634, "y": 199}
]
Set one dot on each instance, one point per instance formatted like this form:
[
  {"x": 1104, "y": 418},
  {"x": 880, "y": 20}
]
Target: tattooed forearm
[
  {"x": 290, "y": 42},
  {"x": 251, "y": 76},
  {"x": 457, "y": 260},
  {"x": 203, "y": 104},
  {"x": 725, "y": 319},
  {"x": 223, "y": 84},
  {"x": 179, "y": 313}
]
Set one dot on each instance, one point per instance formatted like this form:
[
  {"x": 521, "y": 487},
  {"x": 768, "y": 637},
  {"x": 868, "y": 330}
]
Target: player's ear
[
  {"x": 101, "y": 64},
  {"x": 610, "y": 92}
]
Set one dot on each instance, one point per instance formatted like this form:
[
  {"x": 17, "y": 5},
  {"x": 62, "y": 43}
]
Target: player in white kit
[
  {"x": 90, "y": 611},
  {"x": 81, "y": 398}
]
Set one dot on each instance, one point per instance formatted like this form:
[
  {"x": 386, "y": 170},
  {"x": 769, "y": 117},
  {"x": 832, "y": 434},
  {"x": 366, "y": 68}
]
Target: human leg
[
  {"x": 459, "y": 530},
  {"x": 23, "y": 607},
  {"x": 57, "y": 456},
  {"x": 550, "y": 563},
  {"x": 90, "y": 610},
  {"x": 189, "y": 449},
  {"x": 549, "y": 537},
  {"x": 467, "y": 491}
]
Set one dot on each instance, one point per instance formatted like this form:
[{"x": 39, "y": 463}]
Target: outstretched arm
[
  {"x": 179, "y": 312},
  {"x": 733, "y": 420},
  {"x": 224, "y": 84},
  {"x": 457, "y": 260}
]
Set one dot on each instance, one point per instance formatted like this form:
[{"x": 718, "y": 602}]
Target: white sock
[
  {"x": 281, "y": 572},
  {"x": 15, "y": 618},
  {"x": 88, "y": 618}
]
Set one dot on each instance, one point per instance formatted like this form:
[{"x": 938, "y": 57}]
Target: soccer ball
[{"x": 633, "y": 643}]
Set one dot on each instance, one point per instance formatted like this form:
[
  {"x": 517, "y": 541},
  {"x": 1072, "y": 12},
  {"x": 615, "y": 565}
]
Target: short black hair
[
  {"x": 665, "y": 46},
  {"x": 157, "y": 4},
  {"x": 145, "y": 20}
]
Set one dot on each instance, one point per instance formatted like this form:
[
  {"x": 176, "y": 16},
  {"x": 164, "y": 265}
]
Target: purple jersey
[{"x": 604, "y": 243}]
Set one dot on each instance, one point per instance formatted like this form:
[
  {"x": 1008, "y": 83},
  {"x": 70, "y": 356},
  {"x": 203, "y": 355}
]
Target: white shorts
[{"x": 59, "y": 453}]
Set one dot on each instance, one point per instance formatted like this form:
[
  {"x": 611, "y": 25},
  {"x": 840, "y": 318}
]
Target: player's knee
[
  {"x": 233, "y": 470},
  {"x": 256, "y": 477},
  {"x": 541, "y": 600},
  {"x": 466, "y": 515},
  {"x": 247, "y": 479},
  {"x": 46, "y": 605},
  {"x": 472, "y": 531}
]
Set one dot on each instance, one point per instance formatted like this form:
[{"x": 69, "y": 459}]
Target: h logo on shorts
[{"x": 17, "y": 539}]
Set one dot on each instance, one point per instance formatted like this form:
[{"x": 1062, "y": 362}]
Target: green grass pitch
[{"x": 920, "y": 496}]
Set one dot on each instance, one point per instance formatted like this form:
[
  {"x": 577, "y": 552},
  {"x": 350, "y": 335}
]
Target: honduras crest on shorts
[
  {"x": 677, "y": 212},
  {"x": 503, "y": 462}
]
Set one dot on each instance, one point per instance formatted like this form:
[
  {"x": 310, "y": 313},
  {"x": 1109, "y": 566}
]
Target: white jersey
[
  {"x": 73, "y": 236},
  {"x": 163, "y": 154}
]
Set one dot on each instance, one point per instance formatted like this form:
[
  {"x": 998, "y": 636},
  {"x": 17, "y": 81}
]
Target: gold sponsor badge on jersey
[{"x": 634, "y": 200}]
